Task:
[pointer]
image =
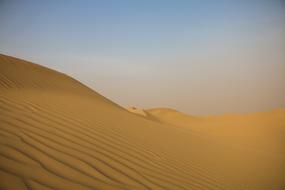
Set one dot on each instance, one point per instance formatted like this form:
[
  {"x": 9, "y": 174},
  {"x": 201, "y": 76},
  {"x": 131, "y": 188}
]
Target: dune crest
[
  {"x": 137, "y": 111},
  {"x": 172, "y": 116},
  {"x": 56, "y": 133}
]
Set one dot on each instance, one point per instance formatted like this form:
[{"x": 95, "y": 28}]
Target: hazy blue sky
[{"x": 200, "y": 57}]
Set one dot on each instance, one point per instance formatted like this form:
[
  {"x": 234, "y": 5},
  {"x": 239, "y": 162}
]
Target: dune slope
[{"x": 56, "y": 133}]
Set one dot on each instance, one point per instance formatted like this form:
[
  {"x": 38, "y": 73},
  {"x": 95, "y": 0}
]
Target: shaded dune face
[{"x": 56, "y": 133}]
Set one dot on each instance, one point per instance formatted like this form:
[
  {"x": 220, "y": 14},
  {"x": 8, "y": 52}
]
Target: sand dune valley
[{"x": 58, "y": 134}]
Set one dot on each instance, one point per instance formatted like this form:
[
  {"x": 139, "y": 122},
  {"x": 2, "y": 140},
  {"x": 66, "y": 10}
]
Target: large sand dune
[{"x": 56, "y": 133}]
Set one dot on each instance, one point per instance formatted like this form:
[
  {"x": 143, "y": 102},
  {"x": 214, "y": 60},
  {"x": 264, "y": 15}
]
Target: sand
[{"x": 56, "y": 133}]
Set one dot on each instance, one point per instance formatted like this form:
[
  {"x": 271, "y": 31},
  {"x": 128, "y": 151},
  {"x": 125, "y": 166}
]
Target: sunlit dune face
[
  {"x": 142, "y": 95},
  {"x": 57, "y": 133}
]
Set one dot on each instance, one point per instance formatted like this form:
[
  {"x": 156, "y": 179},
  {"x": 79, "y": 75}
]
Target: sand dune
[{"x": 56, "y": 133}]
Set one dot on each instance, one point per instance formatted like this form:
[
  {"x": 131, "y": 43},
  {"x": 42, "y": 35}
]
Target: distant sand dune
[{"x": 56, "y": 133}]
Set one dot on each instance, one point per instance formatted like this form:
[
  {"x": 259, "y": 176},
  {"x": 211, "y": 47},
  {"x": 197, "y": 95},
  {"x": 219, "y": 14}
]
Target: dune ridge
[{"x": 56, "y": 133}]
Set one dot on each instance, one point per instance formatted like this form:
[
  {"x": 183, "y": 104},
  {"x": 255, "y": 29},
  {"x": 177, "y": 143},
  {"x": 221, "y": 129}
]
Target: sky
[{"x": 201, "y": 57}]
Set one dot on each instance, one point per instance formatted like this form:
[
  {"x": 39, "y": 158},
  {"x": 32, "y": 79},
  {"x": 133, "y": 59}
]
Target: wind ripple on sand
[{"x": 56, "y": 133}]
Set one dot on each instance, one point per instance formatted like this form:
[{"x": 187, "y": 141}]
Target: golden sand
[{"x": 56, "y": 133}]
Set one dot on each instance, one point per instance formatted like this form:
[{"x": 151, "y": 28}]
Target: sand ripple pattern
[{"x": 57, "y": 134}]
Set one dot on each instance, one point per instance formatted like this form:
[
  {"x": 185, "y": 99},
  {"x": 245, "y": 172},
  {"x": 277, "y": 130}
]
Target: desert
[
  {"x": 56, "y": 133},
  {"x": 142, "y": 95}
]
